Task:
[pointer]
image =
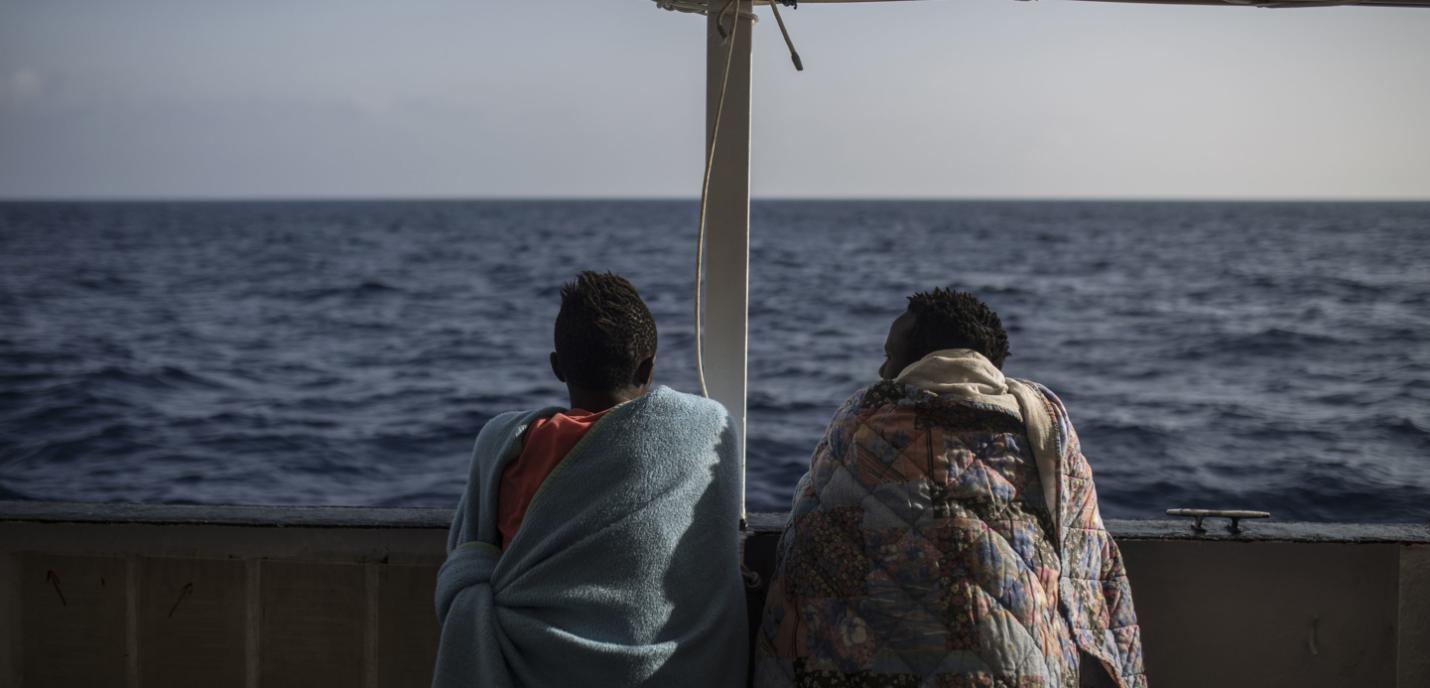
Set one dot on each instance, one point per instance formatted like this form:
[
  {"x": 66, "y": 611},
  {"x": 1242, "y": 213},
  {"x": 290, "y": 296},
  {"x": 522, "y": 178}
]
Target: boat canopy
[{"x": 700, "y": 5}]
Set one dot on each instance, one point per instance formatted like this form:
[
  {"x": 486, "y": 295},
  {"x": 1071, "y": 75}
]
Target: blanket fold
[{"x": 625, "y": 570}]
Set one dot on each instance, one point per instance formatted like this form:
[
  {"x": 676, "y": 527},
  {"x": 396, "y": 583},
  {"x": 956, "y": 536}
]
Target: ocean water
[{"x": 1264, "y": 355}]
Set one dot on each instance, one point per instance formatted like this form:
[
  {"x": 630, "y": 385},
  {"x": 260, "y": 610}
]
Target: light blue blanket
[{"x": 625, "y": 570}]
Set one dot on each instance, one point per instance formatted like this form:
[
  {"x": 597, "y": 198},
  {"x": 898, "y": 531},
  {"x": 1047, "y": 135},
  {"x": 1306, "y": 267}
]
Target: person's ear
[
  {"x": 645, "y": 372},
  {"x": 556, "y": 367}
]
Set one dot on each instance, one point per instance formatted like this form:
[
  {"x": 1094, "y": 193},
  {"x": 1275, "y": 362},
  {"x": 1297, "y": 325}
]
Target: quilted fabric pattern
[{"x": 921, "y": 552}]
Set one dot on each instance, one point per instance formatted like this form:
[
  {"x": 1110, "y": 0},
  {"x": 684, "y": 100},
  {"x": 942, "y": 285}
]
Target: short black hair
[
  {"x": 603, "y": 331},
  {"x": 952, "y": 319}
]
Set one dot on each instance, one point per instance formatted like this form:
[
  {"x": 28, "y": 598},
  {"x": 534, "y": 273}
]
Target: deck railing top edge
[
  {"x": 257, "y": 516},
  {"x": 436, "y": 518},
  {"x": 1215, "y": 531}
]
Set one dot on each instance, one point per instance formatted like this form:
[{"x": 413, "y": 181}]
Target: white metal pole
[{"x": 727, "y": 253}]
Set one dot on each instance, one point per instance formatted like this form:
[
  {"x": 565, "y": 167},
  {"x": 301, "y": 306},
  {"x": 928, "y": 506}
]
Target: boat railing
[{"x": 160, "y": 595}]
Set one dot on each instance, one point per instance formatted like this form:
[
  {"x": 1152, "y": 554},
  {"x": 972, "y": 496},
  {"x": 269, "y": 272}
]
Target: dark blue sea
[{"x": 1260, "y": 355}]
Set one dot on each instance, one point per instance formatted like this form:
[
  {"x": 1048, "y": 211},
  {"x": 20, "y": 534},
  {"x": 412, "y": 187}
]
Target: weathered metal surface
[
  {"x": 262, "y": 516},
  {"x": 313, "y": 624},
  {"x": 1269, "y": 531},
  {"x": 191, "y": 622},
  {"x": 1414, "y": 622},
  {"x": 1265, "y": 614},
  {"x": 372, "y": 544},
  {"x": 73, "y": 615},
  {"x": 1325, "y": 604},
  {"x": 438, "y": 519},
  {"x": 1274, "y": 531},
  {"x": 11, "y": 595},
  {"x": 407, "y": 628}
]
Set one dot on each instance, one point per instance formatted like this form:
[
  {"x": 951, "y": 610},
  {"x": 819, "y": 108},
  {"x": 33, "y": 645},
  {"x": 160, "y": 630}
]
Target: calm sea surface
[{"x": 1271, "y": 356}]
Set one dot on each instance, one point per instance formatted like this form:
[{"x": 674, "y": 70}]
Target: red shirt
[{"x": 545, "y": 443}]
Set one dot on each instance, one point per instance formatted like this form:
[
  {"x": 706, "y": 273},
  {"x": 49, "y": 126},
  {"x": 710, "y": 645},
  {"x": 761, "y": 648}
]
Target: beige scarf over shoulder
[{"x": 968, "y": 375}]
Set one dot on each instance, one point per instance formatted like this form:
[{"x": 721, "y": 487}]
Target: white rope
[{"x": 705, "y": 196}]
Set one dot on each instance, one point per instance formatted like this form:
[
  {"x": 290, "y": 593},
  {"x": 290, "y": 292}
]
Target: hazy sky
[{"x": 478, "y": 98}]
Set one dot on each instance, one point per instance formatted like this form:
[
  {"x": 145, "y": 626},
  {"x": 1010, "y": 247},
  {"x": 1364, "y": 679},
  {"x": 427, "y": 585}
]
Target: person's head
[
  {"x": 605, "y": 338},
  {"x": 943, "y": 319}
]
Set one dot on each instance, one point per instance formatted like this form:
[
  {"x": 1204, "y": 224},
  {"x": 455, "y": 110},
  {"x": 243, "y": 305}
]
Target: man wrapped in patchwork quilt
[{"x": 947, "y": 532}]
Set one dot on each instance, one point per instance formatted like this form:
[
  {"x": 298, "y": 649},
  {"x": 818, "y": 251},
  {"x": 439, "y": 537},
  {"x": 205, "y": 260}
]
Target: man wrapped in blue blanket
[{"x": 597, "y": 545}]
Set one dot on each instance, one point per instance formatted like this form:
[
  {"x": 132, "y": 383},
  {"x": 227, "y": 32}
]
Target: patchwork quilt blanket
[{"x": 925, "y": 547}]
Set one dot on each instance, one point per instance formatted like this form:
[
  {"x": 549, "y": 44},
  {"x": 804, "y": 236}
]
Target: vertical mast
[{"x": 727, "y": 253}]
